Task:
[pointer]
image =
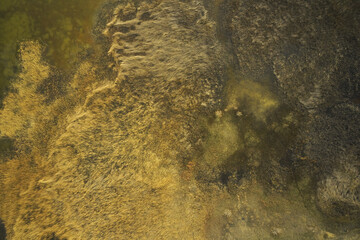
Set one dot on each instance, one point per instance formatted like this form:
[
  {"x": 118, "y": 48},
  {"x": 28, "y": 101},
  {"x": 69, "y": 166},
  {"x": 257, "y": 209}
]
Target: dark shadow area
[
  {"x": 7, "y": 148},
  {"x": 2, "y": 231}
]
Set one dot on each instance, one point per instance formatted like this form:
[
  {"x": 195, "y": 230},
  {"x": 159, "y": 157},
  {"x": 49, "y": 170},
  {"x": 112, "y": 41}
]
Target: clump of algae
[
  {"x": 222, "y": 142},
  {"x": 248, "y": 138},
  {"x": 64, "y": 27},
  {"x": 32, "y": 123},
  {"x": 255, "y": 96},
  {"x": 27, "y": 115},
  {"x": 23, "y": 106},
  {"x": 245, "y": 101}
]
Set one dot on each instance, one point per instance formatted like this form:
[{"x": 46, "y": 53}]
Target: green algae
[{"x": 254, "y": 127}]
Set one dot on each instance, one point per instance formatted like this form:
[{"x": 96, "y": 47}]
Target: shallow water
[{"x": 191, "y": 126}]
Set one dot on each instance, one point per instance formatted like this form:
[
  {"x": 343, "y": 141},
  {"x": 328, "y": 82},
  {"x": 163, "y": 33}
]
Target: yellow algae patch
[
  {"x": 23, "y": 106},
  {"x": 255, "y": 97},
  {"x": 251, "y": 139},
  {"x": 232, "y": 130},
  {"x": 222, "y": 142}
]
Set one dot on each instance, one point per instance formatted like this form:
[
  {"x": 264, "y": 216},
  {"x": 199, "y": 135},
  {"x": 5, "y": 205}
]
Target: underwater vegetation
[
  {"x": 181, "y": 120},
  {"x": 63, "y": 26}
]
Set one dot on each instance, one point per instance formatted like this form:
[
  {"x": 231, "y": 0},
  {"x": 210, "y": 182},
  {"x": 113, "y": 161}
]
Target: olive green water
[{"x": 64, "y": 27}]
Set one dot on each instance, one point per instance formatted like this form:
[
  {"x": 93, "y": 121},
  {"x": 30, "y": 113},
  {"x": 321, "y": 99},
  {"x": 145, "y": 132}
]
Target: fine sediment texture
[
  {"x": 116, "y": 163},
  {"x": 310, "y": 49},
  {"x": 223, "y": 120}
]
